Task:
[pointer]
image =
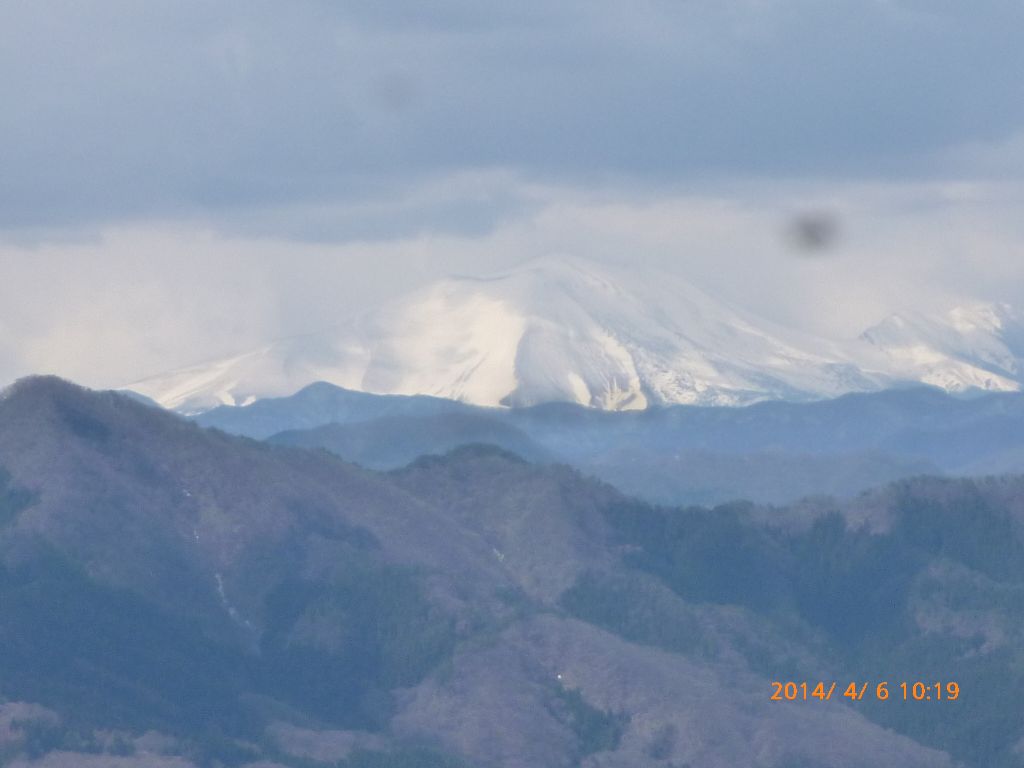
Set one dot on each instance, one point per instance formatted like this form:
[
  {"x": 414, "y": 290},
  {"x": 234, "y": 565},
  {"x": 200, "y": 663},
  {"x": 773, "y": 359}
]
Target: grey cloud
[{"x": 117, "y": 110}]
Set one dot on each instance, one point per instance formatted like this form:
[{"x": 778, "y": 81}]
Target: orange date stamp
[{"x": 857, "y": 691}]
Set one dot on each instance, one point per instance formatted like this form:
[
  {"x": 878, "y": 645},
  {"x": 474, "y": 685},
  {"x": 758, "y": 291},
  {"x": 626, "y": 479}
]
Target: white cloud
[{"x": 145, "y": 299}]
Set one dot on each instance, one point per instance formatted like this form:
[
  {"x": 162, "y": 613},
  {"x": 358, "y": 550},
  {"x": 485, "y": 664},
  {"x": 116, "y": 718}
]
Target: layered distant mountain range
[
  {"x": 568, "y": 331},
  {"x": 768, "y": 452}
]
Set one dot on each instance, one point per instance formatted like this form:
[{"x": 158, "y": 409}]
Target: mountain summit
[{"x": 566, "y": 331}]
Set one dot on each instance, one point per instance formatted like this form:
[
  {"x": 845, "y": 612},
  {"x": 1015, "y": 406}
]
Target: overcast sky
[{"x": 179, "y": 180}]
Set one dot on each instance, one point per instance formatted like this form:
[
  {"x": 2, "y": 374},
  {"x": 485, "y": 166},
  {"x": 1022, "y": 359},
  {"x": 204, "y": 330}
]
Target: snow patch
[{"x": 232, "y": 612}]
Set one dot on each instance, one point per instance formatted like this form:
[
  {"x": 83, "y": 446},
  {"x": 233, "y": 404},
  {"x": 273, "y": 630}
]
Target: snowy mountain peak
[
  {"x": 972, "y": 346},
  {"x": 567, "y": 330}
]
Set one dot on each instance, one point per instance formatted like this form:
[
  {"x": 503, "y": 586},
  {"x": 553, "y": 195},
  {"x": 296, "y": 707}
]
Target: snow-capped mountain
[
  {"x": 561, "y": 330},
  {"x": 978, "y": 346}
]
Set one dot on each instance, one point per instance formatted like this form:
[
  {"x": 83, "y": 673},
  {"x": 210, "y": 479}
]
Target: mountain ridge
[{"x": 771, "y": 451}]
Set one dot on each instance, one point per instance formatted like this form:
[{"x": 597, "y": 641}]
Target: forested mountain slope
[{"x": 174, "y": 596}]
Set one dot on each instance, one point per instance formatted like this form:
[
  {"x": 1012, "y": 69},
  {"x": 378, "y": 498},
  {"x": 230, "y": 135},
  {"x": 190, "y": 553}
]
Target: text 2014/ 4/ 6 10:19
[{"x": 855, "y": 691}]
